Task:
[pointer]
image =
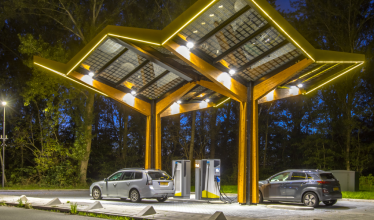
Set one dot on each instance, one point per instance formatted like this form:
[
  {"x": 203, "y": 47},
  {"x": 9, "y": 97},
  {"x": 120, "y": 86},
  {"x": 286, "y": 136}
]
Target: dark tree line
[{"x": 62, "y": 134}]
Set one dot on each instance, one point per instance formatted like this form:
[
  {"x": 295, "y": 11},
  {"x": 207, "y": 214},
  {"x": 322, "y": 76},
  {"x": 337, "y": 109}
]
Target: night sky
[{"x": 284, "y": 4}]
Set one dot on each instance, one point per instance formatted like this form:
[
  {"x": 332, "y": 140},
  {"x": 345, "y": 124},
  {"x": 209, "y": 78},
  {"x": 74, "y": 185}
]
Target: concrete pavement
[{"x": 183, "y": 210}]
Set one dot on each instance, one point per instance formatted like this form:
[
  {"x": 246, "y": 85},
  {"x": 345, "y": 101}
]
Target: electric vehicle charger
[
  {"x": 181, "y": 170},
  {"x": 206, "y": 173}
]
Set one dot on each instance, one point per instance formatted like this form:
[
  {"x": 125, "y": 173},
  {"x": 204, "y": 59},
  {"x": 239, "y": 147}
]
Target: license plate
[
  {"x": 336, "y": 188},
  {"x": 164, "y": 183}
]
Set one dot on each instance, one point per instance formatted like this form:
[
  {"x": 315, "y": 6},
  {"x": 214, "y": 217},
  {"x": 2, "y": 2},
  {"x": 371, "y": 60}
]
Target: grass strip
[{"x": 104, "y": 216}]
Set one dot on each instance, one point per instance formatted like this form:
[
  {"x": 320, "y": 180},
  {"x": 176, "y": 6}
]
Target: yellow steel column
[
  {"x": 157, "y": 148},
  {"x": 254, "y": 154},
  {"x": 242, "y": 153},
  {"x": 148, "y": 143}
]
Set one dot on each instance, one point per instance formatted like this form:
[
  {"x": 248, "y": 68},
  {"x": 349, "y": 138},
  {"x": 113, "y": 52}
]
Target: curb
[
  {"x": 358, "y": 200},
  {"x": 290, "y": 207}
]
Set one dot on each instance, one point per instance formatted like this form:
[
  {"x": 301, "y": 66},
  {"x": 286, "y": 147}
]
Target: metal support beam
[
  {"x": 263, "y": 55},
  {"x": 249, "y": 140},
  {"x": 103, "y": 68},
  {"x": 271, "y": 83},
  {"x": 153, "y": 132},
  {"x": 222, "y": 25},
  {"x": 220, "y": 79},
  {"x": 120, "y": 96},
  {"x": 280, "y": 69},
  {"x": 232, "y": 49},
  {"x": 197, "y": 94},
  {"x": 153, "y": 81},
  {"x": 148, "y": 144},
  {"x": 132, "y": 73}
]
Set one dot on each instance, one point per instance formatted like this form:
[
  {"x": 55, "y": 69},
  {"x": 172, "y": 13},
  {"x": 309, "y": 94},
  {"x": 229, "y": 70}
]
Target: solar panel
[{"x": 102, "y": 55}]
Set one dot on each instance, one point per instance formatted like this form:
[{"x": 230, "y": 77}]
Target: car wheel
[
  {"x": 330, "y": 202},
  {"x": 96, "y": 193},
  {"x": 162, "y": 199},
  {"x": 310, "y": 199},
  {"x": 260, "y": 198},
  {"x": 134, "y": 196}
]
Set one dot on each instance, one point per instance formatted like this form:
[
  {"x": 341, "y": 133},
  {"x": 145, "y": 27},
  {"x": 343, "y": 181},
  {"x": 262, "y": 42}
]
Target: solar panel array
[{"x": 247, "y": 43}]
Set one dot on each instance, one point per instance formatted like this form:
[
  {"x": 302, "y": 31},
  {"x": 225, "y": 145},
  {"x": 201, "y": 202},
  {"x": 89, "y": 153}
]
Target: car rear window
[
  {"x": 327, "y": 176},
  {"x": 159, "y": 176}
]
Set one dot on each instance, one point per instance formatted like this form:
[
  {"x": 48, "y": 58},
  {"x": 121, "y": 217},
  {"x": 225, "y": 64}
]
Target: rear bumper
[
  {"x": 152, "y": 193},
  {"x": 331, "y": 196}
]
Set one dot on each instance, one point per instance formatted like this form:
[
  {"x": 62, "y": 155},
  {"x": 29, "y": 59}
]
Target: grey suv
[
  {"x": 136, "y": 184},
  {"x": 307, "y": 186}
]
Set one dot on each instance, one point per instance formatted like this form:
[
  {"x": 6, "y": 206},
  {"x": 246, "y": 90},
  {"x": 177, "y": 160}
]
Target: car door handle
[
  {"x": 114, "y": 184},
  {"x": 128, "y": 184}
]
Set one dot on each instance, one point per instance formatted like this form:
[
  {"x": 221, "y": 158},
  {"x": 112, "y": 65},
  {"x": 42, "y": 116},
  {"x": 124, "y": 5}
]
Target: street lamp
[{"x": 3, "y": 137}]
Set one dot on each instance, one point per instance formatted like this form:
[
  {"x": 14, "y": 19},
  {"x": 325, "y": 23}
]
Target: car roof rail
[{"x": 133, "y": 168}]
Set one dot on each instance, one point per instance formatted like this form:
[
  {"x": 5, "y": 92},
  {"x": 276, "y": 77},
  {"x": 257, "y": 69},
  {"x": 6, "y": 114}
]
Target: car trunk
[
  {"x": 162, "y": 184},
  {"x": 161, "y": 180},
  {"x": 329, "y": 182}
]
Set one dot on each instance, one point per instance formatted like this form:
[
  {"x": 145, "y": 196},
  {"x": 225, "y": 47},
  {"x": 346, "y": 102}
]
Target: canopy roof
[{"x": 248, "y": 36}]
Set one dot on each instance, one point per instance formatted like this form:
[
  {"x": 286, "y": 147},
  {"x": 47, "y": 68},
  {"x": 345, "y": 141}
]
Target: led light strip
[
  {"x": 282, "y": 29},
  {"x": 129, "y": 38},
  {"x": 340, "y": 61},
  {"x": 321, "y": 72},
  {"x": 312, "y": 71},
  {"x": 222, "y": 102},
  {"x": 189, "y": 21},
  {"x": 334, "y": 78},
  {"x": 86, "y": 55},
  {"x": 61, "y": 74}
]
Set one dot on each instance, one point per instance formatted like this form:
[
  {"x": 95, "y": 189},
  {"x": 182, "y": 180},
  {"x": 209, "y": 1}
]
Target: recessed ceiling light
[
  {"x": 190, "y": 45},
  {"x": 91, "y": 74},
  {"x": 211, "y": 15},
  {"x": 221, "y": 6}
]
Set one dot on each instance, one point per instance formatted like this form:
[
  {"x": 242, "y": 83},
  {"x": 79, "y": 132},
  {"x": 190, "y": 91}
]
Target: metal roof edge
[{"x": 328, "y": 56}]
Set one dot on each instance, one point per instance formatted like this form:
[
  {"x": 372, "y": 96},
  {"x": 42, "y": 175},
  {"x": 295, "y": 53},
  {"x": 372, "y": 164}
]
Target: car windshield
[
  {"x": 327, "y": 176},
  {"x": 159, "y": 176}
]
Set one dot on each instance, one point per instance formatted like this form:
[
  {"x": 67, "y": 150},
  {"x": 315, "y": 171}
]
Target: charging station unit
[
  {"x": 181, "y": 170},
  {"x": 207, "y": 179}
]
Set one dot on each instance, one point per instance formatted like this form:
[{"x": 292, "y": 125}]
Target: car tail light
[
  {"x": 323, "y": 182},
  {"x": 149, "y": 182},
  {"x": 325, "y": 191}
]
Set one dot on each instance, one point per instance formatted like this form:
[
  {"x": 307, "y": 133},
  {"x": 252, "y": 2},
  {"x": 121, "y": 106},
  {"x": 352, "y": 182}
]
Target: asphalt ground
[{"x": 342, "y": 210}]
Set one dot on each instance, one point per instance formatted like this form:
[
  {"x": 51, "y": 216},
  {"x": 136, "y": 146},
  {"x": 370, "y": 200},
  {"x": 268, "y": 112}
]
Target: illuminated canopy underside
[{"x": 247, "y": 36}]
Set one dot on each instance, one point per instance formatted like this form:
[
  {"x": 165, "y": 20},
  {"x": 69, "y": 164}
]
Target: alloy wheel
[
  {"x": 310, "y": 199},
  {"x": 96, "y": 193},
  {"x": 134, "y": 196}
]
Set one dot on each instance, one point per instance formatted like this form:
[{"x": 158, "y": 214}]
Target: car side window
[
  {"x": 281, "y": 177},
  {"x": 298, "y": 176},
  {"x": 138, "y": 175},
  {"x": 115, "y": 177},
  {"x": 312, "y": 176},
  {"x": 128, "y": 176}
]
